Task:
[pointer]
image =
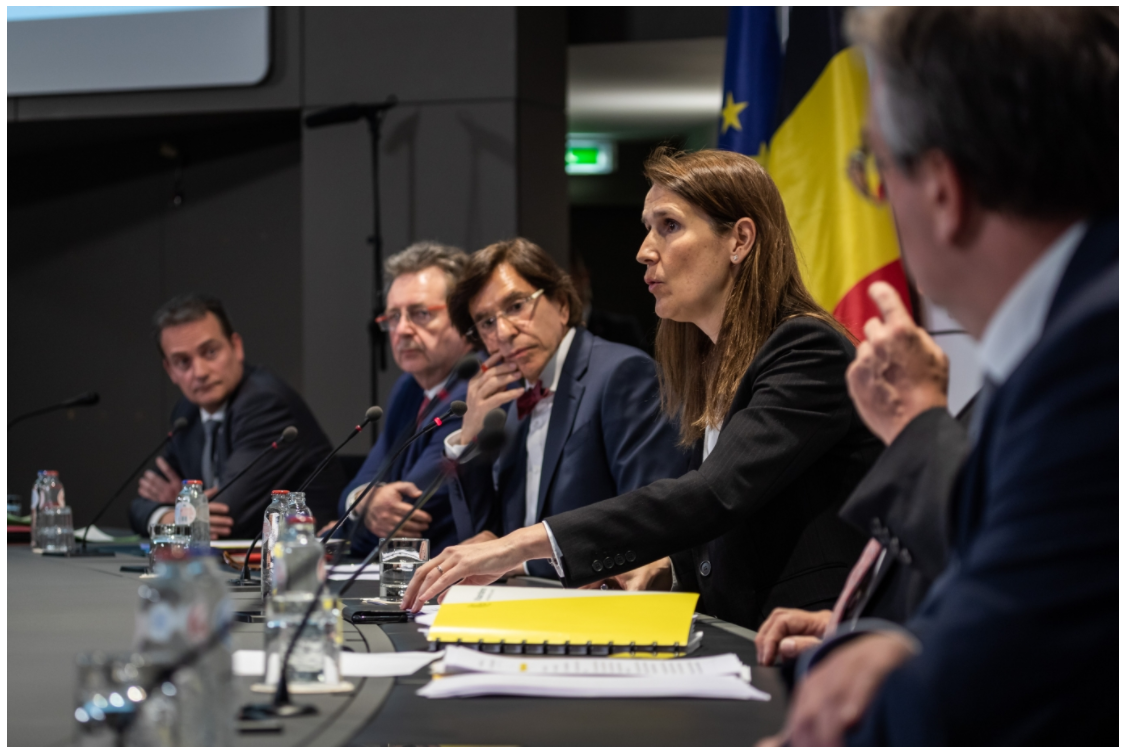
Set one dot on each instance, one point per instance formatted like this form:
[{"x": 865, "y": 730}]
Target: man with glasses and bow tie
[
  {"x": 584, "y": 419},
  {"x": 426, "y": 347}
]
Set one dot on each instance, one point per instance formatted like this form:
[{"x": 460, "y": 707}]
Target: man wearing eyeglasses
[
  {"x": 426, "y": 346},
  {"x": 584, "y": 415},
  {"x": 234, "y": 411}
]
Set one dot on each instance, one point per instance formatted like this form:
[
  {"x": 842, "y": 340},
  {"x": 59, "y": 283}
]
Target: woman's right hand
[
  {"x": 488, "y": 390},
  {"x": 788, "y": 633}
]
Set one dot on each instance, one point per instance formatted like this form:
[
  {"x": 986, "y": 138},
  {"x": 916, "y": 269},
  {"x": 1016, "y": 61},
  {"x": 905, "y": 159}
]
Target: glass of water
[
  {"x": 167, "y": 541},
  {"x": 55, "y": 530},
  {"x": 398, "y": 560}
]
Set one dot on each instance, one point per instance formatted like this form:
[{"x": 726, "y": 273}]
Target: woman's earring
[{"x": 734, "y": 258}]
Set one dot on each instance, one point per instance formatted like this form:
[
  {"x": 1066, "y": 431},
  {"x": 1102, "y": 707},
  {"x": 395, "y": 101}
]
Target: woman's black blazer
[{"x": 755, "y": 526}]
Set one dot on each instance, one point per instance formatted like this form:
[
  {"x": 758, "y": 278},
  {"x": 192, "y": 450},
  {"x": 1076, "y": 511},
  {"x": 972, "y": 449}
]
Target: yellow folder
[{"x": 519, "y": 617}]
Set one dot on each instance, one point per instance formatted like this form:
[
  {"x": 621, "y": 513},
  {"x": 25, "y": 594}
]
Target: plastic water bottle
[
  {"x": 272, "y": 523},
  {"x": 36, "y": 494},
  {"x": 210, "y": 617},
  {"x": 54, "y": 524},
  {"x": 297, "y": 506},
  {"x": 192, "y": 509},
  {"x": 298, "y": 570}
]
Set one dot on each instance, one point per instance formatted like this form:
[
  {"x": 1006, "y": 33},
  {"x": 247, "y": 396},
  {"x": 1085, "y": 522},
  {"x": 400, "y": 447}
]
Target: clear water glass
[
  {"x": 399, "y": 559},
  {"x": 316, "y": 657},
  {"x": 55, "y": 530},
  {"x": 168, "y": 541}
]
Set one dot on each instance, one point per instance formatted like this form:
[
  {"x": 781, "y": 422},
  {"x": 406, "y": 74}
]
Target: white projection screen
[{"x": 87, "y": 49}]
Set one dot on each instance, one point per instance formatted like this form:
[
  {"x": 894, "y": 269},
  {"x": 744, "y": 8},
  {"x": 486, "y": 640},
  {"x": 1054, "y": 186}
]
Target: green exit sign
[{"x": 589, "y": 156}]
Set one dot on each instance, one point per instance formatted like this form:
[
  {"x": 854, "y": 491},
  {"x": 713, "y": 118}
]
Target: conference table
[{"x": 60, "y": 607}]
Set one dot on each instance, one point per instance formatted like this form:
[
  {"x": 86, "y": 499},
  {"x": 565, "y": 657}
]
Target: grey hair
[
  {"x": 1023, "y": 101},
  {"x": 427, "y": 254}
]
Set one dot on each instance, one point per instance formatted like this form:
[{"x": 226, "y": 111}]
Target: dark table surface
[{"x": 58, "y": 608}]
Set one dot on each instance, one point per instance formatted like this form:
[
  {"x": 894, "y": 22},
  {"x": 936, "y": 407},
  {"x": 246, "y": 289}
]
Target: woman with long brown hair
[{"x": 754, "y": 369}]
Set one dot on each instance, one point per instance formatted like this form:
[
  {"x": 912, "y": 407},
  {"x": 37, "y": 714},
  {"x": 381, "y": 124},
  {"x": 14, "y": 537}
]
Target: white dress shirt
[
  {"x": 1018, "y": 322},
  {"x": 204, "y": 417}
]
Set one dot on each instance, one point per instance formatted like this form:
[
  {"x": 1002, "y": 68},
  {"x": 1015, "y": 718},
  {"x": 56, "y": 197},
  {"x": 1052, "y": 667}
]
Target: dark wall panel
[{"x": 89, "y": 265}]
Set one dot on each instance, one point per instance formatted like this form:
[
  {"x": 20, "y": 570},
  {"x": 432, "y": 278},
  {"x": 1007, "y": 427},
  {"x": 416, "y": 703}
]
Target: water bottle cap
[
  {"x": 296, "y": 519},
  {"x": 50, "y": 473},
  {"x": 194, "y": 482},
  {"x": 280, "y": 491}
]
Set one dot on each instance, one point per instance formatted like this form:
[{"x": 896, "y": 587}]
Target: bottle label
[
  {"x": 161, "y": 622},
  {"x": 185, "y": 514},
  {"x": 197, "y": 629}
]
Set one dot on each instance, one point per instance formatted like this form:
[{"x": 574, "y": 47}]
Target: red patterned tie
[
  {"x": 855, "y": 577},
  {"x": 421, "y": 411},
  {"x": 530, "y": 397}
]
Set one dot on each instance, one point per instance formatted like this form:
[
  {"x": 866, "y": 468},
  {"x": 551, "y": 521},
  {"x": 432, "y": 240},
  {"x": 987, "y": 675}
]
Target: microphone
[
  {"x": 85, "y": 399},
  {"x": 456, "y": 409},
  {"x": 348, "y": 113},
  {"x": 491, "y": 439},
  {"x": 177, "y": 426},
  {"x": 485, "y": 443},
  {"x": 468, "y": 367},
  {"x": 372, "y": 415}
]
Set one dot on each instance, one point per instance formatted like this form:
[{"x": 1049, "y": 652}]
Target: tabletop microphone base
[
  {"x": 238, "y": 582},
  {"x": 269, "y": 711}
]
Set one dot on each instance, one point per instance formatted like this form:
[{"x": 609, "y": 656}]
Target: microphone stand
[
  {"x": 180, "y": 424},
  {"x": 373, "y": 414},
  {"x": 490, "y": 441},
  {"x": 282, "y": 706},
  {"x": 78, "y": 401},
  {"x": 374, "y": 114}
]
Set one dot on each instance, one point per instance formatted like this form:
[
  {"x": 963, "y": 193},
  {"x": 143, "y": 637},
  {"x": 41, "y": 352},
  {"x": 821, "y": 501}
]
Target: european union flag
[{"x": 750, "y": 80}]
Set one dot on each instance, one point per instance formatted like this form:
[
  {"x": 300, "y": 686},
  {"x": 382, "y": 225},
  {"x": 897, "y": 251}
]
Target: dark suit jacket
[
  {"x": 257, "y": 412},
  {"x": 606, "y": 436},
  {"x": 1020, "y": 634},
  {"x": 903, "y": 502},
  {"x": 755, "y": 526},
  {"x": 419, "y": 463}
]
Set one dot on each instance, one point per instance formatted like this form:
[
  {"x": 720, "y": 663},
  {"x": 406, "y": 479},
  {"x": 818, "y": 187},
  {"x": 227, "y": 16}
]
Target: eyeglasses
[
  {"x": 419, "y": 317},
  {"x": 863, "y": 173},
  {"x": 517, "y": 311}
]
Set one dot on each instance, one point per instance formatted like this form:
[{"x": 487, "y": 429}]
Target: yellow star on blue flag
[
  {"x": 751, "y": 78},
  {"x": 731, "y": 112}
]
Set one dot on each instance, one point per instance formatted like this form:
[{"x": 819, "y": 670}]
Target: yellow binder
[{"x": 556, "y": 621}]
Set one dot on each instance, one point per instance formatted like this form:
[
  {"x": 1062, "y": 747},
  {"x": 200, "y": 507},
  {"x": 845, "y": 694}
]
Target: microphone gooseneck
[
  {"x": 79, "y": 401},
  {"x": 177, "y": 426},
  {"x": 287, "y": 435},
  {"x": 491, "y": 439},
  {"x": 373, "y": 414}
]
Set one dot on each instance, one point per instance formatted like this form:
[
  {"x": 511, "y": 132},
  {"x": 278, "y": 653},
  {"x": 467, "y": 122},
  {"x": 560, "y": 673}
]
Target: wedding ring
[{"x": 439, "y": 569}]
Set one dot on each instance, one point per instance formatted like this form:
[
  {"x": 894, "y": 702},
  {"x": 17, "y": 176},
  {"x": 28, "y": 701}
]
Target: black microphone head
[
  {"x": 288, "y": 435},
  {"x": 495, "y": 420},
  {"x": 458, "y": 408},
  {"x": 86, "y": 399},
  {"x": 373, "y": 414},
  {"x": 490, "y": 442},
  {"x": 179, "y": 424},
  {"x": 468, "y": 367}
]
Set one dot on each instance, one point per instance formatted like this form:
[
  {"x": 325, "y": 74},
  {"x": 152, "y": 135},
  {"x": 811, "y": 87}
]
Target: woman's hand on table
[{"x": 475, "y": 564}]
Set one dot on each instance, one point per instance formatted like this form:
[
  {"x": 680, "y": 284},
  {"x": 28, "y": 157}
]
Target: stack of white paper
[
  {"x": 700, "y": 687},
  {"x": 253, "y": 663},
  {"x": 345, "y": 572},
  {"x": 469, "y": 673}
]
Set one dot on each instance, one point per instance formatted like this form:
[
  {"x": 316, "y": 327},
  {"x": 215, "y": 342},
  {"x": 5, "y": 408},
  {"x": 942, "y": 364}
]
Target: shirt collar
[
  {"x": 217, "y": 416},
  {"x": 552, "y": 373},
  {"x": 1018, "y": 322},
  {"x": 432, "y": 392}
]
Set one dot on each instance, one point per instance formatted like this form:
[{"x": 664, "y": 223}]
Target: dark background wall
[{"x": 118, "y": 201}]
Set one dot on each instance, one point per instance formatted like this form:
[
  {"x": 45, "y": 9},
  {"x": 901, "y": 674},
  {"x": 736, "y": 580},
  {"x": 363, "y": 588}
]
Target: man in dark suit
[
  {"x": 584, "y": 415},
  {"x": 234, "y": 411},
  {"x": 1006, "y": 205},
  {"x": 426, "y": 346}
]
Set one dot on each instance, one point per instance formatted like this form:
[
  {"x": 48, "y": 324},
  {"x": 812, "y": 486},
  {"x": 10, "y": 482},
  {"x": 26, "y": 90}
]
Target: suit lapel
[{"x": 564, "y": 409}]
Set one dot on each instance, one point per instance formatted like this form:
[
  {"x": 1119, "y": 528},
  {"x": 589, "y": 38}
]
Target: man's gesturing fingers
[{"x": 889, "y": 303}]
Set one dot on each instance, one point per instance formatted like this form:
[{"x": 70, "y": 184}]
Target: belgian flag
[{"x": 844, "y": 240}]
